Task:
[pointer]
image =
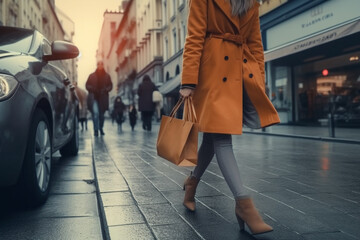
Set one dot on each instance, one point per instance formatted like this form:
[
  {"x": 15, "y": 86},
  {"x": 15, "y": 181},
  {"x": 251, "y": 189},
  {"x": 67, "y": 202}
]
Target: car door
[{"x": 61, "y": 97}]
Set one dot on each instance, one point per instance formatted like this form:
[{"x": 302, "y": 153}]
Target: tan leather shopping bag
[{"x": 178, "y": 138}]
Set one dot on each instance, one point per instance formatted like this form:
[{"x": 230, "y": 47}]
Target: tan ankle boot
[
  {"x": 190, "y": 188},
  {"x": 246, "y": 213}
]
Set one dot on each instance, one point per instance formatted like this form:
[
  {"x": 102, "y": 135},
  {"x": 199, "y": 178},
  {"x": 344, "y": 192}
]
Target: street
[{"x": 305, "y": 189}]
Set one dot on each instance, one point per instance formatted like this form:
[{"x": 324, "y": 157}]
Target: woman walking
[
  {"x": 132, "y": 116},
  {"x": 82, "y": 96},
  {"x": 223, "y": 69}
]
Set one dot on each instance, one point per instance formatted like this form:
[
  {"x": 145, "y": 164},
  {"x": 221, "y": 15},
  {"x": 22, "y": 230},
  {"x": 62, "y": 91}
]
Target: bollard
[
  {"x": 331, "y": 124},
  {"x": 331, "y": 121}
]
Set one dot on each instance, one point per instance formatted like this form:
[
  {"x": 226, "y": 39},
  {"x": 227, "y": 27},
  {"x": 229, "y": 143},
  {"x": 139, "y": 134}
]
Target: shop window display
[
  {"x": 334, "y": 91},
  {"x": 280, "y": 94}
]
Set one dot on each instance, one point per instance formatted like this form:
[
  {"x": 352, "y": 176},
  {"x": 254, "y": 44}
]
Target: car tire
[
  {"x": 72, "y": 147},
  {"x": 34, "y": 183}
]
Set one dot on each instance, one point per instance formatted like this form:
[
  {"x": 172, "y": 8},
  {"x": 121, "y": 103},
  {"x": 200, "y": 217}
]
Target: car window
[
  {"x": 15, "y": 40},
  {"x": 46, "y": 48}
]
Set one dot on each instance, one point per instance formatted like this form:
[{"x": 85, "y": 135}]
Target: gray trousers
[{"x": 221, "y": 146}]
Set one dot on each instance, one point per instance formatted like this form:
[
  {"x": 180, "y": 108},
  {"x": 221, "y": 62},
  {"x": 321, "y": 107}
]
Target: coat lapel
[
  {"x": 224, "y": 5},
  {"x": 245, "y": 19}
]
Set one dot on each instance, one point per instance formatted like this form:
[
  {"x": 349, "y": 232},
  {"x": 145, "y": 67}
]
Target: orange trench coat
[{"x": 223, "y": 56}]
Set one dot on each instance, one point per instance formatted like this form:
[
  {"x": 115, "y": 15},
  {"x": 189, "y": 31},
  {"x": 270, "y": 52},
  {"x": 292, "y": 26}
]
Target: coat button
[
  {"x": 251, "y": 75},
  {"x": 245, "y": 60},
  {"x": 224, "y": 79},
  {"x": 226, "y": 58}
]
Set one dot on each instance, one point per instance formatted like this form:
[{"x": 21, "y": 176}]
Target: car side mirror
[{"x": 62, "y": 50}]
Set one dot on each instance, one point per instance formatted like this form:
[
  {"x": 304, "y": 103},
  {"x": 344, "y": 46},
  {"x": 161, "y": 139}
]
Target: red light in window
[{"x": 325, "y": 72}]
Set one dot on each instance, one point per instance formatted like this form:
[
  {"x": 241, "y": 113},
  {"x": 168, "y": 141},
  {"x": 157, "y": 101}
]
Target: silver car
[{"x": 38, "y": 111}]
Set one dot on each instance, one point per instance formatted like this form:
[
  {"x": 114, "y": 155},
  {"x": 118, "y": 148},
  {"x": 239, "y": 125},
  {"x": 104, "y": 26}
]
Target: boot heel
[
  {"x": 190, "y": 188},
  {"x": 241, "y": 223}
]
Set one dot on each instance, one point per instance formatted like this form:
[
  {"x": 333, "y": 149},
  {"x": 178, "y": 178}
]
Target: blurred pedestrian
[
  {"x": 158, "y": 101},
  {"x": 226, "y": 92},
  {"x": 146, "y": 104},
  {"x": 132, "y": 116},
  {"x": 112, "y": 115},
  {"x": 267, "y": 92},
  {"x": 119, "y": 108},
  {"x": 82, "y": 96},
  {"x": 98, "y": 85}
]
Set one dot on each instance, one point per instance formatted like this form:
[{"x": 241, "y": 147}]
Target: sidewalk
[
  {"x": 305, "y": 189},
  {"x": 70, "y": 213},
  {"x": 350, "y": 135}
]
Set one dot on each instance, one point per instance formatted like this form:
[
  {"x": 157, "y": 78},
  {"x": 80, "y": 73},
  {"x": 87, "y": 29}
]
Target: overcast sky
[{"x": 88, "y": 17}]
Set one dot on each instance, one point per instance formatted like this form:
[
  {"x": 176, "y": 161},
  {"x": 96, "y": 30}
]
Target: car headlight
[{"x": 7, "y": 85}]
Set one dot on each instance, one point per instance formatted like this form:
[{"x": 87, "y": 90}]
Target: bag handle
[
  {"x": 189, "y": 110},
  {"x": 192, "y": 109},
  {"x": 187, "y": 116},
  {"x": 189, "y": 113},
  {"x": 176, "y": 107}
]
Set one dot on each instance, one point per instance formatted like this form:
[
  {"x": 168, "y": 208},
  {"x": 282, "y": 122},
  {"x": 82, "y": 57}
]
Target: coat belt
[{"x": 237, "y": 39}]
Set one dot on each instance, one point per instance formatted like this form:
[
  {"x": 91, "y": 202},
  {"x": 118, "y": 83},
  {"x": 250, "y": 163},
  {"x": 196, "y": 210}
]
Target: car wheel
[
  {"x": 72, "y": 147},
  {"x": 35, "y": 180}
]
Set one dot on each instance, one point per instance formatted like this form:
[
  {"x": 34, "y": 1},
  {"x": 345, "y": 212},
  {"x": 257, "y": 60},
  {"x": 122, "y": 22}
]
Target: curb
[
  {"x": 102, "y": 216},
  {"x": 325, "y": 139}
]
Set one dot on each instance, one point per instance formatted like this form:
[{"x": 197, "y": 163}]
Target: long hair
[{"x": 240, "y": 7}]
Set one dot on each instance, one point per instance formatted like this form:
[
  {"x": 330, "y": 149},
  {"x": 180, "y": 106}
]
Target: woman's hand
[{"x": 186, "y": 92}]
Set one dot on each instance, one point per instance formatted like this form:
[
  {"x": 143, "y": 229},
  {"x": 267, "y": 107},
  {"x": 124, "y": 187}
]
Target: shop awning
[
  {"x": 170, "y": 85},
  {"x": 313, "y": 41}
]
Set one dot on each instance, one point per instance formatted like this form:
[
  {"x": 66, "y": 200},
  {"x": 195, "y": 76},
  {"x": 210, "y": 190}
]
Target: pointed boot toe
[
  {"x": 190, "y": 205},
  {"x": 262, "y": 228}
]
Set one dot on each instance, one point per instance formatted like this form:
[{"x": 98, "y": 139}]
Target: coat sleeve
[
  {"x": 197, "y": 26},
  {"x": 89, "y": 84},
  {"x": 139, "y": 91},
  {"x": 254, "y": 42}
]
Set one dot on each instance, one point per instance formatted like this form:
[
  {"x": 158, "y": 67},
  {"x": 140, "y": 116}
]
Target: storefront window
[
  {"x": 330, "y": 86},
  {"x": 280, "y": 91}
]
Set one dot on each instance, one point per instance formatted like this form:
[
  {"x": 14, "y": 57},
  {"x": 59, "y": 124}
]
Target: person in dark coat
[
  {"x": 132, "y": 116},
  {"x": 146, "y": 104},
  {"x": 98, "y": 85},
  {"x": 82, "y": 96},
  {"x": 119, "y": 108}
]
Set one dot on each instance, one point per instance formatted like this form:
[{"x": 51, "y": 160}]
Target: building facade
[
  {"x": 312, "y": 56},
  {"x": 267, "y": 6},
  {"x": 26, "y": 14},
  {"x": 32, "y": 14},
  {"x": 174, "y": 27},
  {"x": 126, "y": 52},
  {"x": 149, "y": 41},
  {"x": 106, "y": 51},
  {"x": 69, "y": 29}
]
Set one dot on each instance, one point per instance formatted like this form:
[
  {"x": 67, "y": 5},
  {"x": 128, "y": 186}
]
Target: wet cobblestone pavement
[{"x": 305, "y": 189}]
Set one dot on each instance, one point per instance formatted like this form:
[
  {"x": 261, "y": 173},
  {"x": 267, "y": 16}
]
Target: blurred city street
[{"x": 65, "y": 63}]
